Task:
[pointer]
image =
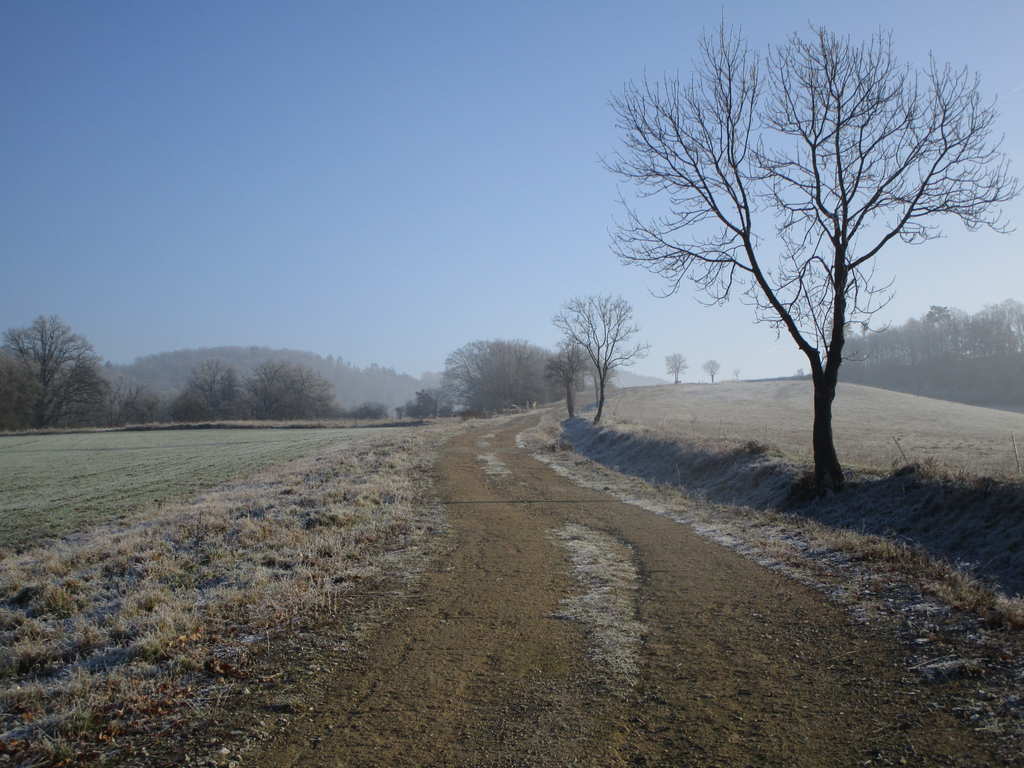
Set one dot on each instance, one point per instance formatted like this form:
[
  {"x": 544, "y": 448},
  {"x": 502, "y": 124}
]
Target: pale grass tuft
[{"x": 607, "y": 604}]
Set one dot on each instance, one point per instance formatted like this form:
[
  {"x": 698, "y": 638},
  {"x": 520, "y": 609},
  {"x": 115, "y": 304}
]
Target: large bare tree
[
  {"x": 675, "y": 364},
  {"x": 603, "y": 326},
  {"x": 785, "y": 175},
  {"x": 69, "y": 388}
]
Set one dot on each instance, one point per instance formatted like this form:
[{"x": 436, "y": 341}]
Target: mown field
[
  {"x": 56, "y": 484},
  {"x": 874, "y": 428}
]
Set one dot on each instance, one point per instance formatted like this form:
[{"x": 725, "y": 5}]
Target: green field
[{"x": 52, "y": 485}]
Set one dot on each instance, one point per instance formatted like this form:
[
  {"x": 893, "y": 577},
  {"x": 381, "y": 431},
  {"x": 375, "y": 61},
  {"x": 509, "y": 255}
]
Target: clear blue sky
[{"x": 386, "y": 181}]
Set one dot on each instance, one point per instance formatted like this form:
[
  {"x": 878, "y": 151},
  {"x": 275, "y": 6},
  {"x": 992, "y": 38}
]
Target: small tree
[
  {"x": 736, "y": 374},
  {"x": 603, "y": 327},
  {"x": 711, "y": 368},
  {"x": 565, "y": 368},
  {"x": 787, "y": 174},
  {"x": 675, "y": 364}
]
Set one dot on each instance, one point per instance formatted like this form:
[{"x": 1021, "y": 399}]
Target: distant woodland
[
  {"x": 946, "y": 353},
  {"x": 169, "y": 372},
  {"x": 51, "y": 377}
]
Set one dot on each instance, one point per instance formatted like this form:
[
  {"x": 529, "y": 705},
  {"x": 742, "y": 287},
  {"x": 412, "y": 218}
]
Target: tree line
[
  {"x": 51, "y": 377},
  {"x": 167, "y": 373},
  {"x": 946, "y": 353}
]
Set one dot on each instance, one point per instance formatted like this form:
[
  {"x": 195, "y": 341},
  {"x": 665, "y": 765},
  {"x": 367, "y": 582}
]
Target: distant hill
[{"x": 168, "y": 372}]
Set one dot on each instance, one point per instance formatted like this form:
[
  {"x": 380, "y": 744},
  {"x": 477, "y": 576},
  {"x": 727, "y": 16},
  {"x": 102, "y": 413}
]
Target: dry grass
[
  {"x": 955, "y": 436},
  {"x": 177, "y": 426},
  {"x": 56, "y": 484},
  {"x": 800, "y": 545},
  {"x": 125, "y": 628}
]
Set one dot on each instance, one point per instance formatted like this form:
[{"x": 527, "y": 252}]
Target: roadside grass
[
  {"x": 126, "y": 630},
  {"x": 756, "y": 520},
  {"x": 52, "y": 485},
  {"x": 875, "y": 429}
]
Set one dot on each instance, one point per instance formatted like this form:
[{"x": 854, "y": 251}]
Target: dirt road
[{"x": 738, "y": 665}]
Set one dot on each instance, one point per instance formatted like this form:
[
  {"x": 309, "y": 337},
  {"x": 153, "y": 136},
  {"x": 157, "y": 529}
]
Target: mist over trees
[
  {"x": 784, "y": 175},
  {"x": 130, "y": 403},
  {"x": 51, "y": 376},
  {"x": 947, "y": 353},
  {"x": 429, "y": 403},
  {"x": 168, "y": 373},
  {"x": 489, "y": 376}
]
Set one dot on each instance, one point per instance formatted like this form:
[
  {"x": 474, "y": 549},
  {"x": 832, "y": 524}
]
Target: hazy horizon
[{"x": 385, "y": 184}]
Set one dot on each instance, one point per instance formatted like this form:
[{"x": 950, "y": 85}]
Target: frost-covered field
[
  {"x": 873, "y": 427},
  {"x": 56, "y": 484}
]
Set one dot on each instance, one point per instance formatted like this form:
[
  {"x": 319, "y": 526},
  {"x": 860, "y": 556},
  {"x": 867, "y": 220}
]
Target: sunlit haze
[{"x": 385, "y": 182}]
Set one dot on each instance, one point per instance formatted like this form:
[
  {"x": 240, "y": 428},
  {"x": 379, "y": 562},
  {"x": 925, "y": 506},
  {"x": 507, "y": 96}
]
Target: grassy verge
[
  {"x": 741, "y": 494},
  {"x": 150, "y": 628}
]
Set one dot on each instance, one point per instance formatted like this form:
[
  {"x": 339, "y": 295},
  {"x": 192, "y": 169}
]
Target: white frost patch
[
  {"x": 607, "y": 605},
  {"x": 493, "y": 465}
]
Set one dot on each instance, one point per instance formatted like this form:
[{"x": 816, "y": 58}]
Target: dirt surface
[{"x": 739, "y": 666}]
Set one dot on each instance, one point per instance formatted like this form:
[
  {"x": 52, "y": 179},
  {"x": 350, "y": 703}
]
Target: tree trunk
[
  {"x": 570, "y": 400},
  {"x": 828, "y": 474},
  {"x": 600, "y": 401}
]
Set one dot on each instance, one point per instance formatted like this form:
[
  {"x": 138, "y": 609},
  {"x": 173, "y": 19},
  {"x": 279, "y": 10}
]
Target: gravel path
[{"x": 738, "y": 665}]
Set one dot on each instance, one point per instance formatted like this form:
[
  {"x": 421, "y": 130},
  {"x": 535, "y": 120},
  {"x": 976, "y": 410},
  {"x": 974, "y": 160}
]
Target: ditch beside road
[{"x": 737, "y": 665}]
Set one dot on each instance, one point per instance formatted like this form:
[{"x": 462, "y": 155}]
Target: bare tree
[
  {"x": 129, "y": 402},
  {"x": 711, "y": 368},
  {"x": 736, "y": 374},
  {"x": 603, "y": 326},
  {"x": 65, "y": 368},
  {"x": 837, "y": 147},
  {"x": 18, "y": 392},
  {"x": 217, "y": 386},
  {"x": 497, "y": 374},
  {"x": 277, "y": 390},
  {"x": 565, "y": 368},
  {"x": 675, "y": 364}
]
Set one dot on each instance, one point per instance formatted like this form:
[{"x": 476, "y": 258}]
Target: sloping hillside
[
  {"x": 866, "y": 421},
  {"x": 749, "y": 444}
]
